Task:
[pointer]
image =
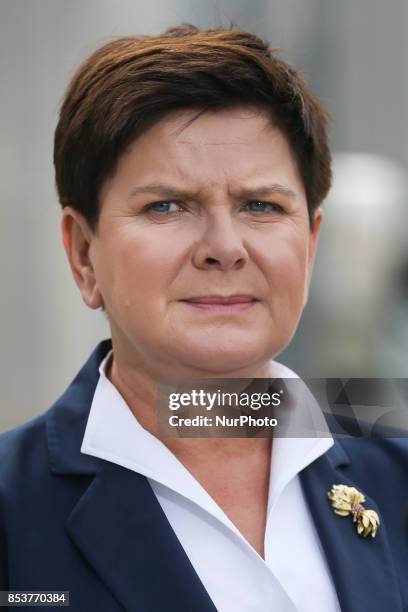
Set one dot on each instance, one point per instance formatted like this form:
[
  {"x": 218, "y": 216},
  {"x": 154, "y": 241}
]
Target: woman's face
[{"x": 214, "y": 207}]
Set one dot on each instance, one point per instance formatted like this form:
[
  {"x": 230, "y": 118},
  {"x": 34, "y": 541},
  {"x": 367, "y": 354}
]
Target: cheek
[
  {"x": 135, "y": 271},
  {"x": 286, "y": 266}
]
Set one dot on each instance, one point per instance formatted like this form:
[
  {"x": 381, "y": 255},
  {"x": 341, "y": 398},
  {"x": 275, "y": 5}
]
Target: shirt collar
[{"x": 113, "y": 433}]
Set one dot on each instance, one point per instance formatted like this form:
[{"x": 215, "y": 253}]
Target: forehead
[
  {"x": 238, "y": 144},
  {"x": 237, "y": 125}
]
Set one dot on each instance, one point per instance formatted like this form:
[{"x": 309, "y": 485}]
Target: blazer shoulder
[
  {"x": 387, "y": 448},
  {"x": 50, "y": 442},
  {"x": 23, "y": 450},
  {"x": 383, "y": 462}
]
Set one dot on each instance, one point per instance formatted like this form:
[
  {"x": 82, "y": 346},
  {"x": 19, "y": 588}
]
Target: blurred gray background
[{"x": 354, "y": 55}]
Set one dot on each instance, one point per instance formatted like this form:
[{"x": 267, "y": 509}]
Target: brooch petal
[{"x": 347, "y": 500}]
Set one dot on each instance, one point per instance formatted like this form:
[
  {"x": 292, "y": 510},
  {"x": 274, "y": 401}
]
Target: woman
[{"x": 191, "y": 168}]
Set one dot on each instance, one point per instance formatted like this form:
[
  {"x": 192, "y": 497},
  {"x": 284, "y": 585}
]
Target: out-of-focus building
[{"x": 357, "y": 322}]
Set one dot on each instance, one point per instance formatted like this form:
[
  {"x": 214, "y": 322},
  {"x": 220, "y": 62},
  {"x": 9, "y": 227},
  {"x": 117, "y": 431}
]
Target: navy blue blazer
[{"x": 72, "y": 522}]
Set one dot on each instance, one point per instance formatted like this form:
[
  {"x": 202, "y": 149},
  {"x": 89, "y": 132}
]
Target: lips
[
  {"x": 222, "y": 304},
  {"x": 219, "y": 299}
]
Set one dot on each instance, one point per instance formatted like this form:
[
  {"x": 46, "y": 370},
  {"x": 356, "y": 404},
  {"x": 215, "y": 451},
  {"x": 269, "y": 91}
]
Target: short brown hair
[{"x": 130, "y": 83}]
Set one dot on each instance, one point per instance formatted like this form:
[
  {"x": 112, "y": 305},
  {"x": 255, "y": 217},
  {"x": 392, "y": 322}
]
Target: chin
[{"x": 225, "y": 358}]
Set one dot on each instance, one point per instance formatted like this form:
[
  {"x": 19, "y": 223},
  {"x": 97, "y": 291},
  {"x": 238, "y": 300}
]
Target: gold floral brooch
[{"x": 348, "y": 500}]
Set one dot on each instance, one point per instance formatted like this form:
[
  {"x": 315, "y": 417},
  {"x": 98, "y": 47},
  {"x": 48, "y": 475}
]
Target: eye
[
  {"x": 257, "y": 206},
  {"x": 167, "y": 206}
]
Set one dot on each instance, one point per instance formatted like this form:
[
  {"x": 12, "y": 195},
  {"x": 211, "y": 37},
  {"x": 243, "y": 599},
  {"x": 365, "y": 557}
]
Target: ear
[
  {"x": 78, "y": 239},
  {"x": 313, "y": 239}
]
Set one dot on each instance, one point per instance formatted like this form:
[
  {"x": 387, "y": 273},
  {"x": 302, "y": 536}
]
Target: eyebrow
[{"x": 245, "y": 192}]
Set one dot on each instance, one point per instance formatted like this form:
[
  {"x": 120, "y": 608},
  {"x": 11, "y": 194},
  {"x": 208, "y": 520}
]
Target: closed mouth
[{"x": 221, "y": 300}]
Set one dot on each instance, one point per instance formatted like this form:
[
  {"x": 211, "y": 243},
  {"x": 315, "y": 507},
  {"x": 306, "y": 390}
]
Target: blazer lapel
[
  {"x": 117, "y": 524},
  {"x": 362, "y": 568},
  {"x": 121, "y": 529}
]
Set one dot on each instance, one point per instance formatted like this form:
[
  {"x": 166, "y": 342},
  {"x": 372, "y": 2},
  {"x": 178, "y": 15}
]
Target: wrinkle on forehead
[
  {"x": 246, "y": 112},
  {"x": 215, "y": 144}
]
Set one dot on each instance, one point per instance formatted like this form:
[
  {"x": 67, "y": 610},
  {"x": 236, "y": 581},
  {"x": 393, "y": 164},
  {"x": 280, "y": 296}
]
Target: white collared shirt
[{"x": 294, "y": 574}]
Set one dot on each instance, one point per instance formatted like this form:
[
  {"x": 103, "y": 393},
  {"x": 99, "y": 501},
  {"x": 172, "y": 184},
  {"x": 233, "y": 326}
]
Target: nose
[{"x": 220, "y": 246}]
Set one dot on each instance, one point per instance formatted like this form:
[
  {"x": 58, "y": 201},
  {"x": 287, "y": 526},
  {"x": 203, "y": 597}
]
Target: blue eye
[
  {"x": 261, "y": 207},
  {"x": 162, "y": 207}
]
